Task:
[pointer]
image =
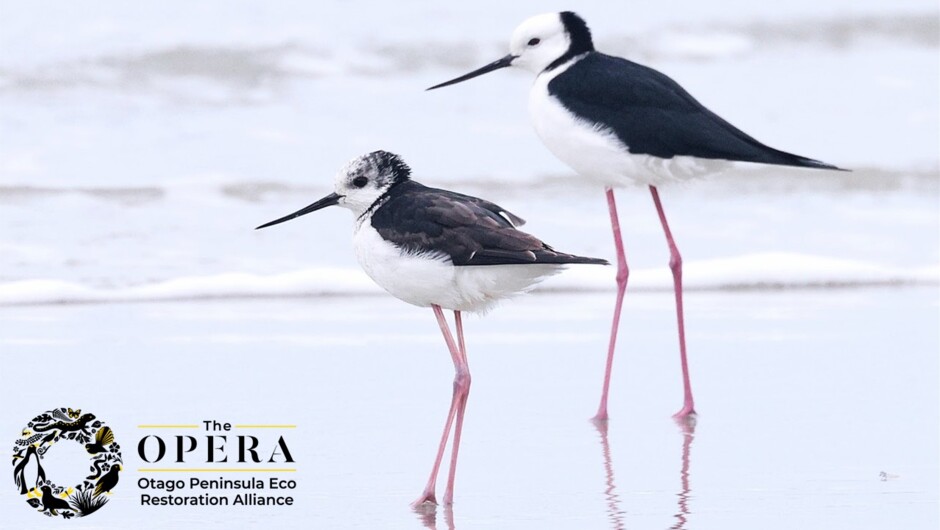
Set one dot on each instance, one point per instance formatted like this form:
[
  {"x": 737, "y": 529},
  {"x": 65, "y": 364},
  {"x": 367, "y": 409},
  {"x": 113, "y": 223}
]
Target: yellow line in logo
[
  {"x": 212, "y": 470},
  {"x": 266, "y": 426},
  {"x": 167, "y": 426}
]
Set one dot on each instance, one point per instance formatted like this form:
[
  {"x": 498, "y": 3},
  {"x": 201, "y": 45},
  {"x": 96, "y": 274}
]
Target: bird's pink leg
[
  {"x": 459, "y": 361},
  {"x": 623, "y": 273},
  {"x": 461, "y": 385},
  {"x": 675, "y": 263}
]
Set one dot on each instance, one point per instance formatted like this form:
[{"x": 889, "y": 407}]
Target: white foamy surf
[{"x": 750, "y": 272}]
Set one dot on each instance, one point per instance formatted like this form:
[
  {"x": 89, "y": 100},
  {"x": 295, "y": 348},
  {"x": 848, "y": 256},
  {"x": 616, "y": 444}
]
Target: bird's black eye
[
  {"x": 360, "y": 182},
  {"x": 534, "y": 42}
]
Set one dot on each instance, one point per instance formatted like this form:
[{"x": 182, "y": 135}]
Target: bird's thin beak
[
  {"x": 329, "y": 200},
  {"x": 495, "y": 65}
]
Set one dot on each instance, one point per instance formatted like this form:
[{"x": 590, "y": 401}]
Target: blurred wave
[
  {"x": 747, "y": 179},
  {"x": 751, "y": 272},
  {"x": 252, "y": 67}
]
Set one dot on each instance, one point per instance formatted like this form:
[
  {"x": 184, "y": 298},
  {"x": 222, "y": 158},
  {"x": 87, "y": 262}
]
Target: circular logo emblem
[{"x": 41, "y": 435}]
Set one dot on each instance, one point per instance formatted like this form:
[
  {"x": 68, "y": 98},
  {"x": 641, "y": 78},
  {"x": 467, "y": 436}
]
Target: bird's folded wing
[
  {"x": 468, "y": 230},
  {"x": 653, "y": 115},
  {"x": 501, "y": 215}
]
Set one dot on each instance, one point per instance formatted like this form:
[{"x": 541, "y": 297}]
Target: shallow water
[{"x": 817, "y": 407}]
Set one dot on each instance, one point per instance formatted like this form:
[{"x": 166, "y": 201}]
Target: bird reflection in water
[
  {"x": 687, "y": 425},
  {"x": 614, "y": 513},
  {"x": 427, "y": 514}
]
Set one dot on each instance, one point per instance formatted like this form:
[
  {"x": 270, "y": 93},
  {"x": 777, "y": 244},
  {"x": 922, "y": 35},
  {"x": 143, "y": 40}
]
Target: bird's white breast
[
  {"x": 595, "y": 152},
  {"x": 425, "y": 279}
]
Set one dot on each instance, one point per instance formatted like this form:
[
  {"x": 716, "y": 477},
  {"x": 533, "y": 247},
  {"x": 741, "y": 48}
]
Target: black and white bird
[
  {"x": 439, "y": 249},
  {"x": 616, "y": 122}
]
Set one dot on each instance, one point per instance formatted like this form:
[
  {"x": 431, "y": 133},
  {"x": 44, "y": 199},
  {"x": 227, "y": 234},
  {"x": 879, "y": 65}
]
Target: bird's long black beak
[
  {"x": 495, "y": 65},
  {"x": 329, "y": 200}
]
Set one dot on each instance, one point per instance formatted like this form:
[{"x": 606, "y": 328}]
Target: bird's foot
[
  {"x": 600, "y": 422},
  {"x": 426, "y": 499},
  {"x": 427, "y": 514},
  {"x": 687, "y": 411},
  {"x": 686, "y": 418},
  {"x": 601, "y": 417}
]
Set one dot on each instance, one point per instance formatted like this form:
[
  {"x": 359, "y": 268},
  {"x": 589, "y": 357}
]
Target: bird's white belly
[
  {"x": 596, "y": 153},
  {"x": 423, "y": 280}
]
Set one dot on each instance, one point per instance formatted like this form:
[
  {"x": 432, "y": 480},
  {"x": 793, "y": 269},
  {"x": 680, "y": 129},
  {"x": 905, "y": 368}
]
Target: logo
[
  {"x": 45, "y": 432},
  {"x": 246, "y": 465}
]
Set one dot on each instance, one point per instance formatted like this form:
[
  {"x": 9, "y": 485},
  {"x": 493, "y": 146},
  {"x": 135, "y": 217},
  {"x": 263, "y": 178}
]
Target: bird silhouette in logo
[
  {"x": 103, "y": 438},
  {"x": 107, "y": 482},
  {"x": 52, "y": 503},
  {"x": 19, "y": 471}
]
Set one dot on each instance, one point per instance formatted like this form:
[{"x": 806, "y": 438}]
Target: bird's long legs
[
  {"x": 623, "y": 273},
  {"x": 462, "y": 384},
  {"x": 457, "y": 406},
  {"x": 675, "y": 263}
]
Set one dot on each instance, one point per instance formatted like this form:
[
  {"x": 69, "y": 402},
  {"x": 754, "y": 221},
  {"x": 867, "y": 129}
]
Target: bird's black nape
[
  {"x": 578, "y": 33},
  {"x": 389, "y": 165}
]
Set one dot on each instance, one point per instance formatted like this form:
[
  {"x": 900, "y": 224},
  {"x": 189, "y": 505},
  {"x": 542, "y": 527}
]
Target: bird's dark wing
[
  {"x": 470, "y": 231},
  {"x": 513, "y": 219},
  {"x": 651, "y": 114}
]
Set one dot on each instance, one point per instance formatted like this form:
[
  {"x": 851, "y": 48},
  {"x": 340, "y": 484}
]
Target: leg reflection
[
  {"x": 427, "y": 514},
  {"x": 614, "y": 513},
  {"x": 687, "y": 425}
]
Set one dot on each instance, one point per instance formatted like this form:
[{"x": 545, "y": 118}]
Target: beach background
[{"x": 141, "y": 143}]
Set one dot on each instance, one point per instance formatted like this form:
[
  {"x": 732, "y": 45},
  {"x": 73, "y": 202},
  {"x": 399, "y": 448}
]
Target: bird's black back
[
  {"x": 471, "y": 231},
  {"x": 651, "y": 114}
]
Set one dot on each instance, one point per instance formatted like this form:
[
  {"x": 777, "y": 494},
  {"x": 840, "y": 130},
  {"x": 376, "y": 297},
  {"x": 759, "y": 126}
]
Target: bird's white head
[
  {"x": 366, "y": 178},
  {"x": 361, "y": 182},
  {"x": 540, "y": 43}
]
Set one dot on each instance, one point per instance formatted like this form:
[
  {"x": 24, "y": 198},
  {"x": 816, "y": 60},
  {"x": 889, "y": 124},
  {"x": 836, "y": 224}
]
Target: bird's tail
[
  {"x": 555, "y": 257},
  {"x": 801, "y": 161},
  {"x": 752, "y": 150},
  {"x": 769, "y": 155}
]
